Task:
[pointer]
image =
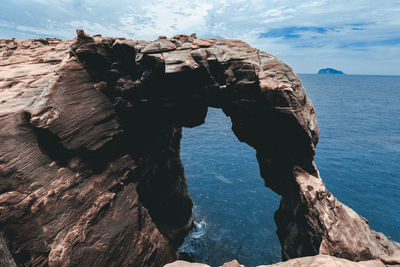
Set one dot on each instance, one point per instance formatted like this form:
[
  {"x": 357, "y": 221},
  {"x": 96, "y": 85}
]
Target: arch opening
[{"x": 233, "y": 210}]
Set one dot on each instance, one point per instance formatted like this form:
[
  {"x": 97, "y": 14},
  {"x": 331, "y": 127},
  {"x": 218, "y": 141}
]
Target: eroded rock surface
[
  {"x": 6, "y": 258},
  {"x": 71, "y": 172},
  {"x": 326, "y": 261},
  {"x": 90, "y": 172}
]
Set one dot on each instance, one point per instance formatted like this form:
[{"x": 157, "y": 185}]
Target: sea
[{"x": 358, "y": 157}]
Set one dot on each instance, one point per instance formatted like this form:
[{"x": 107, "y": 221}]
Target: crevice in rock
[
  {"x": 77, "y": 160},
  {"x": 6, "y": 259}
]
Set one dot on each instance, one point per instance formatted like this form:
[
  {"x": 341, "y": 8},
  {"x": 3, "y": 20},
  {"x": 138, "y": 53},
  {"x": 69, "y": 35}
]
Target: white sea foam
[
  {"x": 191, "y": 243},
  {"x": 199, "y": 229},
  {"x": 223, "y": 179}
]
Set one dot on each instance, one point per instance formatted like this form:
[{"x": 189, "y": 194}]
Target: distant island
[{"x": 330, "y": 71}]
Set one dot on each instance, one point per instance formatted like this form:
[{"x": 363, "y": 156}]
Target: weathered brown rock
[
  {"x": 90, "y": 171},
  {"x": 158, "y": 46},
  {"x": 325, "y": 261},
  {"x": 6, "y": 258},
  {"x": 181, "y": 263},
  {"x": 201, "y": 43},
  {"x": 70, "y": 175},
  {"x": 311, "y": 261},
  {"x": 335, "y": 229},
  {"x": 233, "y": 263}
]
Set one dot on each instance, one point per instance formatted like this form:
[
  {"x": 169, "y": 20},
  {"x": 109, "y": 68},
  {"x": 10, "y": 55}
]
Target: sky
[{"x": 355, "y": 36}]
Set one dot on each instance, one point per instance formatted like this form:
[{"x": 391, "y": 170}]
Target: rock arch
[{"x": 90, "y": 164}]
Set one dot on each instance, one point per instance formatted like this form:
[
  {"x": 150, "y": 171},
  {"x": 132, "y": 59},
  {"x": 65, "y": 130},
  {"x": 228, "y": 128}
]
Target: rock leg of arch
[{"x": 89, "y": 163}]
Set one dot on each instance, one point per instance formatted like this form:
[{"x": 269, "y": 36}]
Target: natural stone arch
[
  {"x": 174, "y": 85},
  {"x": 106, "y": 120}
]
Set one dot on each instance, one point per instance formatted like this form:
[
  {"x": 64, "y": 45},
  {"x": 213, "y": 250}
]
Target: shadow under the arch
[{"x": 233, "y": 210}]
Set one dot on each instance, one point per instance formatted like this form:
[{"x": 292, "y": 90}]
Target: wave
[{"x": 191, "y": 241}]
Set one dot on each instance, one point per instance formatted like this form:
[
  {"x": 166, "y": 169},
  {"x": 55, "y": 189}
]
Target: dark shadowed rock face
[{"x": 90, "y": 172}]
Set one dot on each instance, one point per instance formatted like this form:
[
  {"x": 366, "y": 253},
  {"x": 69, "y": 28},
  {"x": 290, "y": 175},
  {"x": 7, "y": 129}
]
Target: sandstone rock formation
[
  {"x": 311, "y": 261},
  {"x": 180, "y": 263},
  {"x": 326, "y": 261},
  {"x": 90, "y": 172},
  {"x": 6, "y": 258}
]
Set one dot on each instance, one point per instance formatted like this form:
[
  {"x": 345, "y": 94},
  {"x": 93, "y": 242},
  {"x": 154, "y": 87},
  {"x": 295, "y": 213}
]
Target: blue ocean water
[{"x": 358, "y": 157}]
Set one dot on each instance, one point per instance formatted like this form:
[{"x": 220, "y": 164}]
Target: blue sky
[{"x": 356, "y": 36}]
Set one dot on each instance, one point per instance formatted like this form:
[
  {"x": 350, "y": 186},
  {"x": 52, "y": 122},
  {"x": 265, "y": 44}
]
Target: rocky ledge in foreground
[
  {"x": 311, "y": 261},
  {"x": 90, "y": 171}
]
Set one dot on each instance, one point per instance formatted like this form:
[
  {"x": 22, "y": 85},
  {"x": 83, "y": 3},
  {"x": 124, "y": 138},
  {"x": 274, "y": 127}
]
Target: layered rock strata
[{"x": 90, "y": 172}]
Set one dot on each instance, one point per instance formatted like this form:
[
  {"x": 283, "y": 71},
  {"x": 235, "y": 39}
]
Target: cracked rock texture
[{"x": 90, "y": 172}]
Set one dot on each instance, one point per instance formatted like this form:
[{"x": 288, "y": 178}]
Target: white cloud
[
  {"x": 278, "y": 12},
  {"x": 165, "y": 18}
]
